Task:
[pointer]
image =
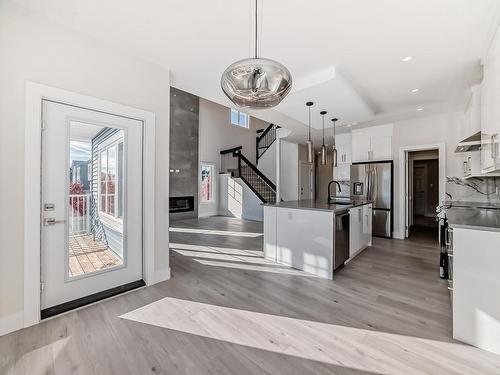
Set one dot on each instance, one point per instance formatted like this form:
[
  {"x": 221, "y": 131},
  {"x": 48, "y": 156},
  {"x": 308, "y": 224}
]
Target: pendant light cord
[
  {"x": 256, "y": 28},
  {"x": 334, "y": 133},
  {"x": 309, "y": 123},
  {"x": 323, "y": 130}
]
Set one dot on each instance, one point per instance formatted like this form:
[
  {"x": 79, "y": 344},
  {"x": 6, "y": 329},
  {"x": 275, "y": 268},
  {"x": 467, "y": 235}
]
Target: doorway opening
[
  {"x": 422, "y": 193},
  {"x": 91, "y": 233}
]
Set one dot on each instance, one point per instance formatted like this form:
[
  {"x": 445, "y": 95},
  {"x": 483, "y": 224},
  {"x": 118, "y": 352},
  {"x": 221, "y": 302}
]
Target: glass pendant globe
[{"x": 256, "y": 83}]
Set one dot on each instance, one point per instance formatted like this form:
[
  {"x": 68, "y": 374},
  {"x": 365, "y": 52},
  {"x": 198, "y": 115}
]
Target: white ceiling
[{"x": 365, "y": 40}]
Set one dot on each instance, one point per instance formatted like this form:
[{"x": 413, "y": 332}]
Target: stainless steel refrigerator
[{"x": 374, "y": 181}]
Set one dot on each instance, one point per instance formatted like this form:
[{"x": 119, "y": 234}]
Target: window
[
  {"x": 240, "y": 119},
  {"x": 207, "y": 173},
  {"x": 111, "y": 180}
]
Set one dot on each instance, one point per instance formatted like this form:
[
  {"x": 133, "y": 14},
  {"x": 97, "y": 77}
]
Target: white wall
[
  {"x": 33, "y": 48},
  {"x": 238, "y": 200},
  {"x": 443, "y": 128},
  {"x": 289, "y": 178},
  {"x": 215, "y": 134}
]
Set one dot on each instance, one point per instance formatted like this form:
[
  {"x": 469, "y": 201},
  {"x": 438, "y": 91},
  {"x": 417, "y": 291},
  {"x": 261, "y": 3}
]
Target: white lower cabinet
[
  {"x": 476, "y": 288},
  {"x": 360, "y": 233}
]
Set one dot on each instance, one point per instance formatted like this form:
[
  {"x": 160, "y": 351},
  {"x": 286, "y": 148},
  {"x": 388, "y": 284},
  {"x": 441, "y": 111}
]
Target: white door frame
[
  {"x": 311, "y": 178},
  {"x": 441, "y": 147},
  {"x": 35, "y": 93}
]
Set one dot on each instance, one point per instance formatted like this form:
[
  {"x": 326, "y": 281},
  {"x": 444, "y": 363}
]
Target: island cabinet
[
  {"x": 360, "y": 235},
  {"x": 300, "y": 238},
  {"x": 475, "y": 283}
]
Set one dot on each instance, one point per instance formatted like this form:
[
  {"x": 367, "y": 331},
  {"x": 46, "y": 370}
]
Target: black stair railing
[
  {"x": 235, "y": 163},
  {"x": 264, "y": 140},
  {"x": 97, "y": 228}
]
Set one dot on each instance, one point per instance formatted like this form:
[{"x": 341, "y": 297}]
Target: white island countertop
[{"x": 319, "y": 205}]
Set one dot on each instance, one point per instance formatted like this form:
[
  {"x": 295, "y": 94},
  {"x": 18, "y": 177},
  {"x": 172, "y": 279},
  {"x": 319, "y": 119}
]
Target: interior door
[
  {"x": 306, "y": 179},
  {"x": 420, "y": 190},
  {"x": 91, "y": 204}
]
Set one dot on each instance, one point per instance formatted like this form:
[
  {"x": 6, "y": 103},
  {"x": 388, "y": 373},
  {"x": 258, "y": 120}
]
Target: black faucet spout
[{"x": 329, "y": 184}]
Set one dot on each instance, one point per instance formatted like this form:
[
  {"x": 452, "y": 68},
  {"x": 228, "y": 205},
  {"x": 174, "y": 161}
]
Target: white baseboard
[
  {"x": 11, "y": 323},
  {"x": 162, "y": 275}
]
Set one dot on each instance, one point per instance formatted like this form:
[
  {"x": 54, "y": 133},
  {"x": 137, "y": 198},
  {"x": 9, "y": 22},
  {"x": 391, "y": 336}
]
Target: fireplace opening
[{"x": 181, "y": 204}]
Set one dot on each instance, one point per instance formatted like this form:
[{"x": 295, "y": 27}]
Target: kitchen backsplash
[
  {"x": 346, "y": 189},
  {"x": 474, "y": 189}
]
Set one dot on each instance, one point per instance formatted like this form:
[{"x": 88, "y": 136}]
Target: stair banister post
[{"x": 278, "y": 167}]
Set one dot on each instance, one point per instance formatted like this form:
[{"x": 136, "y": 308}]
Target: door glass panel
[{"x": 96, "y": 205}]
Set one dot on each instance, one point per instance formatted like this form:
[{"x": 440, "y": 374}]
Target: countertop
[
  {"x": 319, "y": 205},
  {"x": 473, "y": 215}
]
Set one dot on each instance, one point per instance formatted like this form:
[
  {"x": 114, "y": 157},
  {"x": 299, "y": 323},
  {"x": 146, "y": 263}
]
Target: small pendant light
[
  {"x": 310, "y": 156},
  {"x": 334, "y": 154},
  {"x": 323, "y": 146}
]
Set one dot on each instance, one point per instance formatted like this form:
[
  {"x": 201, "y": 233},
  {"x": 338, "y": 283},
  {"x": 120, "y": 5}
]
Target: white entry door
[{"x": 91, "y": 205}]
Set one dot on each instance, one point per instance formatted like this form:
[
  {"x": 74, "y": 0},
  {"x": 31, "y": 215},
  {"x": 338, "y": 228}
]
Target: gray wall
[
  {"x": 184, "y": 130},
  {"x": 216, "y": 134}
]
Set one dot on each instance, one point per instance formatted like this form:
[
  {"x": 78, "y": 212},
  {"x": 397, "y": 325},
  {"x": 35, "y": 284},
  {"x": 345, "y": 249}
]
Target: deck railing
[{"x": 79, "y": 214}]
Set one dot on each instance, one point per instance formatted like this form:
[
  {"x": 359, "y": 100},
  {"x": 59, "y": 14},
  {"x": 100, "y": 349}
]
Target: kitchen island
[
  {"x": 312, "y": 235},
  {"x": 474, "y": 276}
]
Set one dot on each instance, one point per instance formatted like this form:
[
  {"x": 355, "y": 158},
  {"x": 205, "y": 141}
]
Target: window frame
[
  {"x": 238, "y": 123},
  {"x": 212, "y": 166},
  {"x": 113, "y": 141}
]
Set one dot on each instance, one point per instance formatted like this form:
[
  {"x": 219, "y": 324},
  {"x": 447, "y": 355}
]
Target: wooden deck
[{"x": 87, "y": 255}]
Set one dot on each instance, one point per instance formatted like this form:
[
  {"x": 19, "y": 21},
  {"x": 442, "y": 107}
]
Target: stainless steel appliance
[
  {"x": 373, "y": 181},
  {"x": 341, "y": 239}
]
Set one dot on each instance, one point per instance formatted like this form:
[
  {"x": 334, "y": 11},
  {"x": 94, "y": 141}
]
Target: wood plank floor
[
  {"x": 87, "y": 255},
  {"x": 228, "y": 311}
]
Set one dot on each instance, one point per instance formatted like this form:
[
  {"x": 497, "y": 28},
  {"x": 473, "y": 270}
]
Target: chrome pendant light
[
  {"x": 334, "y": 151},
  {"x": 256, "y": 82},
  {"x": 310, "y": 156},
  {"x": 323, "y": 146}
]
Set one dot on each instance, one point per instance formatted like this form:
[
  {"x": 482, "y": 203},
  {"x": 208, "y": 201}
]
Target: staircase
[
  {"x": 265, "y": 138},
  {"x": 235, "y": 163}
]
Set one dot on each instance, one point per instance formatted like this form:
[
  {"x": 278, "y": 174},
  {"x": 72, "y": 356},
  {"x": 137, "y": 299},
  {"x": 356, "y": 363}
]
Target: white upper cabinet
[
  {"x": 361, "y": 146},
  {"x": 490, "y": 108},
  {"x": 381, "y": 146},
  {"x": 343, "y": 143},
  {"x": 374, "y": 143}
]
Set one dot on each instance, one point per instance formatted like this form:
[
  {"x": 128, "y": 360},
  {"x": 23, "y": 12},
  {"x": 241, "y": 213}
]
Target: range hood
[{"x": 472, "y": 143}]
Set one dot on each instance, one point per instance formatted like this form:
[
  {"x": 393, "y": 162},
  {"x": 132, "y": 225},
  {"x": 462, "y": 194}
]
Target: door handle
[{"x": 49, "y": 221}]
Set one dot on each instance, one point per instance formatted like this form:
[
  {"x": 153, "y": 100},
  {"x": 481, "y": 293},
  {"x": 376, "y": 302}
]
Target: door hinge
[
  {"x": 42, "y": 286},
  {"x": 42, "y": 125}
]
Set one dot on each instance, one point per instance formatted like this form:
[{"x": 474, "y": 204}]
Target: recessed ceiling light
[
  {"x": 415, "y": 90},
  {"x": 407, "y": 58},
  {"x": 420, "y": 109}
]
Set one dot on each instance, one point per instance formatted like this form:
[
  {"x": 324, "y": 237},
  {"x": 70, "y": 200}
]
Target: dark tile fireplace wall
[{"x": 184, "y": 126}]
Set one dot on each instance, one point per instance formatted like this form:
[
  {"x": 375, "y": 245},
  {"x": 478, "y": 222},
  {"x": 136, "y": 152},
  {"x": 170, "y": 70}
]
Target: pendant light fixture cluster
[
  {"x": 324, "y": 150},
  {"x": 256, "y": 82}
]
